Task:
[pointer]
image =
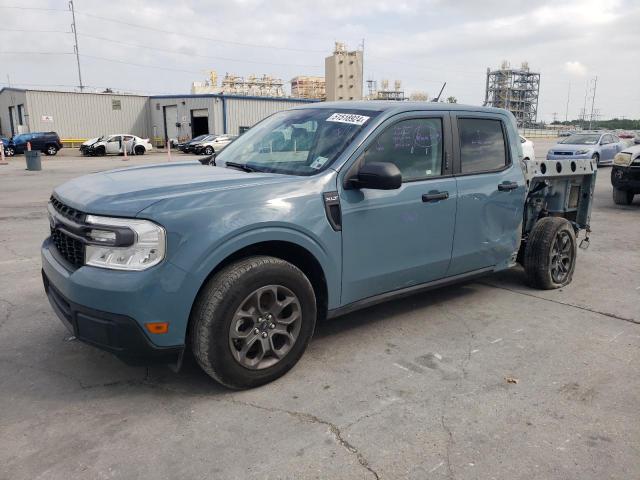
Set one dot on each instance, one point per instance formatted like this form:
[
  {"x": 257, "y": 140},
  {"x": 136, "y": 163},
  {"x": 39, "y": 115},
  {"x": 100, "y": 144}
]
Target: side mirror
[{"x": 378, "y": 176}]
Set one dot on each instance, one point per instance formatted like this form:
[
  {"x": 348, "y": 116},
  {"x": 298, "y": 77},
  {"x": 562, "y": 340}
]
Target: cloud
[
  {"x": 423, "y": 43},
  {"x": 575, "y": 68}
]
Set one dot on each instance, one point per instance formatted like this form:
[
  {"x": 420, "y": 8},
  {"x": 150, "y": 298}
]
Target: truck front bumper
[
  {"x": 117, "y": 334},
  {"x": 108, "y": 308},
  {"x": 626, "y": 178}
]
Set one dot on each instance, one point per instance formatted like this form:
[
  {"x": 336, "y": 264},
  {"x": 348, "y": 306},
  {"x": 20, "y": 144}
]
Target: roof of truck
[{"x": 397, "y": 107}]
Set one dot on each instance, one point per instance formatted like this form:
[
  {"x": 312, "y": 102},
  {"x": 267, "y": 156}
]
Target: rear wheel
[
  {"x": 622, "y": 197},
  {"x": 10, "y": 151},
  {"x": 140, "y": 150},
  {"x": 51, "y": 150},
  {"x": 550, "y": 254},
  {"x": 252, "y": 321}
]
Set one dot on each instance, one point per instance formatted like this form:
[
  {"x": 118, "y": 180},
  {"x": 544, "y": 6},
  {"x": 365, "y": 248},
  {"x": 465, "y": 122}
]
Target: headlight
[
  {"x": 145, "y": 249},
  {"x": 623, "y": 159},
  {"x": 581, "y": 152}
]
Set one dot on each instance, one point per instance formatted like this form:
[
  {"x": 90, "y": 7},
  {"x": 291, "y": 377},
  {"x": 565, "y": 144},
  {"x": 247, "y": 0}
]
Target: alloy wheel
[
  {"x": 561, "y": 257},
  {"x": 265, "y": 327}
]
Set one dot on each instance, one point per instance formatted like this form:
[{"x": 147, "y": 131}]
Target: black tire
[
  {"x": 50, "y": 150},
  {"x": 209, "y": 151},
  {"x": 219, "y": 300},
  {"x": 541, "y": 263},
  {"x": 140, "y": 150},
  {"x": 622, "y": 197},
  {"x": 596, "y": 157},
  {"x": 100, "y": 152},
  {"x": 10, "y": 151}
]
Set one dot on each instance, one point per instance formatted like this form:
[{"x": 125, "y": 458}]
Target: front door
[
  {"x": 114, "y": 145},
  {"x": 608, "y": 148},
  {"x": 394, "y": 239},
  {"x": 491, "y": 194}
]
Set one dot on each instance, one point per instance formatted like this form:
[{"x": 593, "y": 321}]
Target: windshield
[
  {"x": 199, "y": 137},
  {"x": 582, "y": 139},
  {"x": 297, "y": 142}
]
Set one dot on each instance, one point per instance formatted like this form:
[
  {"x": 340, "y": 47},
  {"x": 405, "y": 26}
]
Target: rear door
[
  {"x": 491, "y": 193},
  {"x": 37, "y": 141},
  {"x": 393, "y": 239}
]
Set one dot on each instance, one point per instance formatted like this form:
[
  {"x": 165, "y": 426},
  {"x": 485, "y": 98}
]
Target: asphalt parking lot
[{"x": 416, "y": 388}]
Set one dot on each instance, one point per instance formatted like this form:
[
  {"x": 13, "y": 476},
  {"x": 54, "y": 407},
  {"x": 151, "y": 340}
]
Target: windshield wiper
[{"x": 240, "y": 166}]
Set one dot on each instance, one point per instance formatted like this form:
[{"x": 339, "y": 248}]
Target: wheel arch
[{"x": 286, "y": 250}]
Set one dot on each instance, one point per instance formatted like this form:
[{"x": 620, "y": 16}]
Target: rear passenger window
[
  {"x": 482, "y": 145},
  {"x": 414, "y": 146}
]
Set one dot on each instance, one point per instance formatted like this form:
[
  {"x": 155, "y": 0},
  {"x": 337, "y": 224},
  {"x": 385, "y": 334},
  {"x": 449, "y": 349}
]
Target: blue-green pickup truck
[{"x": 312, "y": 213}]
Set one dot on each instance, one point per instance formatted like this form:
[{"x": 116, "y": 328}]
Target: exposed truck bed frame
[{"x": 562, "y": 188}]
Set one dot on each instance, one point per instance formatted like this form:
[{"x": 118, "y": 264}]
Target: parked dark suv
[{"x": 47, "y": 142}]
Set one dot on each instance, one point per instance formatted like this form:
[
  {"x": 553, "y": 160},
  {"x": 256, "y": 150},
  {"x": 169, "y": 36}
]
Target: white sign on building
[{"x": 47, "y": 118}]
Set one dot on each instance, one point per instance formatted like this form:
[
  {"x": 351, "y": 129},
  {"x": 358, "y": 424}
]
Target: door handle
[
  {"x": 434, "y": 196},
  {"x": 506, "y": 186}
]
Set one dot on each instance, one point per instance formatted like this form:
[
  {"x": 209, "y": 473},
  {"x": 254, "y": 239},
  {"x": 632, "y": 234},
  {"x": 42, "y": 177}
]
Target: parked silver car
[{"x": 601, "y": 147}]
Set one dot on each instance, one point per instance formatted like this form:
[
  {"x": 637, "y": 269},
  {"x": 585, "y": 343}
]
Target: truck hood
[{"x": 127, "y": 191}]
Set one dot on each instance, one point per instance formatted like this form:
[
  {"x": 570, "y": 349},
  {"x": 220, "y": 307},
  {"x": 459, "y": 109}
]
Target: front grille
[
  {"x": 563, "y": 153},
  {"x": 67, "y": 211},
  {"x": 70, "y": 248}
]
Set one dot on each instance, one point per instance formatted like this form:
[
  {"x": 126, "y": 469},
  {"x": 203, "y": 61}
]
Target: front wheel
[
  {"x": 596, "y": 157},
  {"x": 622, "y": 197},
  {"x": 550, "y": 254},
  {"x": 10, "y": 151},
  {"x": 252, "y": 321},
  {"x": 208, "y": 151}
]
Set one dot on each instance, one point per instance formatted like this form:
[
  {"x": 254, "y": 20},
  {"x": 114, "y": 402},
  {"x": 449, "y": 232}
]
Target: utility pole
[
  {"x": 566, "y": 112},
  {"x": 75, "y": 46},
  {"x": 583, "y": 116},
  {"x": 593, "y": 100}
]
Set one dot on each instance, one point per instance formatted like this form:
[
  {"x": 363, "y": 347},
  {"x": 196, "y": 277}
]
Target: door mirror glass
[{"x": 378, "y": 176}]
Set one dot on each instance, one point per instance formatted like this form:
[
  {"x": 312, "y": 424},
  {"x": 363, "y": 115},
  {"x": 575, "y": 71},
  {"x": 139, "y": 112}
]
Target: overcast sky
[{"x": 422, "y": 43}]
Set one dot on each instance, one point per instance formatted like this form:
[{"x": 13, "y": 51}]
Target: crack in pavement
[
  {"x": 446, "y": 428},
  {"x": 310, "y": 418},
  {"x": 586, "y": 309},
  {"x": 146, "y": 382},
  {"x": 10, "y": 308}
]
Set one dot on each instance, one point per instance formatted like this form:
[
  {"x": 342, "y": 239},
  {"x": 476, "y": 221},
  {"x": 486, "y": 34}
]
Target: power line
[
  {"x": 19, "y": 7},
  {"x": 30, "y": 30},
  {"x": 137, "y": 45},
  {"x": 199, "y": 37},
  {"x": 36, "y": 53},
  {"x": 158, "y": 67}
]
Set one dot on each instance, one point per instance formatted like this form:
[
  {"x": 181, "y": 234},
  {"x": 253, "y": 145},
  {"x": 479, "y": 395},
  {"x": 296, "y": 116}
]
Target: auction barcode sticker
[{"x": 351, "y": 118}]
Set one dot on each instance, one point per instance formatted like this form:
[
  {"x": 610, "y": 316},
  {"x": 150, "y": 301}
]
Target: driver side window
[{"x": 414, "y": 146}]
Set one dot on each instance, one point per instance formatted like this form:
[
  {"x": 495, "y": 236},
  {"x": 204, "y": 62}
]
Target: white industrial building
[{"x": 76, "y": 116}]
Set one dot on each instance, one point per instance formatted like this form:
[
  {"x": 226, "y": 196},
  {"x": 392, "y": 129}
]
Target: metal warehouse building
[
  {"x": 187, "y": 116},
  {"x": 76, "y": 116}
]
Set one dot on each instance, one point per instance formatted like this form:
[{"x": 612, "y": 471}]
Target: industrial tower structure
[
  {"x": 343, "y": 74},
  {"x": 515, "y": 90}
]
